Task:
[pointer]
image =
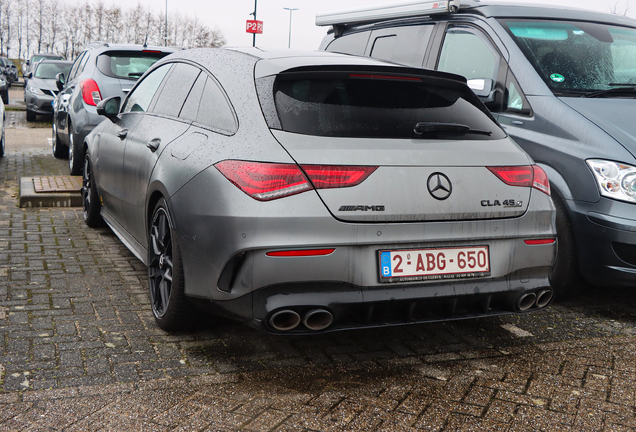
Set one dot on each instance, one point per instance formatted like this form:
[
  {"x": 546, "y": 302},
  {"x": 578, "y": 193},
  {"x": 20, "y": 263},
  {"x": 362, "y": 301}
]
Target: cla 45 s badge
[{"x": 506, "y": 203}]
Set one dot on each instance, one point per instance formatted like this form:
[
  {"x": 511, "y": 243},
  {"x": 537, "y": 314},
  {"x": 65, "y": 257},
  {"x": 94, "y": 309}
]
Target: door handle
[
  {"x": 122, "y": 133},
  {"x": 154, "y": 144}
]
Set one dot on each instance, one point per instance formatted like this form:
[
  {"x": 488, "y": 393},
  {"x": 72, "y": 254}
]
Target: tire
[
  {"x": 2, "y": 144},
  {"x": 91, "y": 204},
  {"x": 75, "y": 156},
  {"x": 60, "y": 151},
  {"x": 565, "y": 277},
  {"x": 166, "y": 283},
  {"x": 30, "y": 115}
]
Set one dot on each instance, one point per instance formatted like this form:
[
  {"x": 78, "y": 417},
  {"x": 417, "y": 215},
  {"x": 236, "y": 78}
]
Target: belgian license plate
[{"x": 434, "y": 263}]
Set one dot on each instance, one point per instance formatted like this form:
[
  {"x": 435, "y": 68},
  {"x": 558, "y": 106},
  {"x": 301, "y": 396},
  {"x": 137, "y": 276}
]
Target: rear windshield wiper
[
  {"x": 628, "y": 89},
  {"x": 423, "y": 128}
]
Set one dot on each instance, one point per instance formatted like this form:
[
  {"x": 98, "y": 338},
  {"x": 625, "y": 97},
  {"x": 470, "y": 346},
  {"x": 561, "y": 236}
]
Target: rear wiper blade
[
  {"x": 422, "y": 128},
  {"x": 619, "y": 89}
]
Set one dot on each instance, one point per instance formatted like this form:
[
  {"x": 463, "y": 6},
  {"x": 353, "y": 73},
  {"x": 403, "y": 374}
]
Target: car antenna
[{"x": 146, "y": 41}]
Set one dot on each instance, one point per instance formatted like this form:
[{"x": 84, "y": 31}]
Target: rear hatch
[
  {"x": 120, "y": 69},
  {"x": 428, "y": 149}
]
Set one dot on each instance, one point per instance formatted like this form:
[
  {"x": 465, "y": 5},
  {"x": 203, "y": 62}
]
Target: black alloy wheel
[
  {"x": 171, "y": 308},
  {"x": 75, "y": 159}
]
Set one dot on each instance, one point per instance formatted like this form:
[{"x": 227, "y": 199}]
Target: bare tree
[{"x": 617, "y": 9}]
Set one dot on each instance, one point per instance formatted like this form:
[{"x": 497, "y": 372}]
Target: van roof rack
[{"x": 402, "y": 9}]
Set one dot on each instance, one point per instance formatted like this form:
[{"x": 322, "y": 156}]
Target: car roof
[
  {"x": 104, "y": 46},
  {"x": 510, "y": 9},
  {"x": 273, "y": 61},
  {"x": 57, "y": 62}
]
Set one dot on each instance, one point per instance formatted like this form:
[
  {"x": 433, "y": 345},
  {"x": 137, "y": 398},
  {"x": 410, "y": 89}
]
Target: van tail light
[
  {"x": 524, "y": 176},
  {"x": 268, "y": 181},
  {"x": 90, "y": 92}
]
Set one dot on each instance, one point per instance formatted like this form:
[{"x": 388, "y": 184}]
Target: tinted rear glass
[
  {"x": 375, "y": 106},
  {"x": 127, "y": 64}
]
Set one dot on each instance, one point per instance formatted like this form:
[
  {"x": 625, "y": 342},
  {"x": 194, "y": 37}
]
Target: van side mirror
[
  {"x": 487, "y": 92},
  {"x": 59, "y": 80},
  {"x": 109, "y": 107},
  {"x": 28, "y": 75}
]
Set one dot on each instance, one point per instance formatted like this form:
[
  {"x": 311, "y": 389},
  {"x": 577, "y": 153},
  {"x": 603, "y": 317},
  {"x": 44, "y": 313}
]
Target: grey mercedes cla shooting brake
[{"x": 302, "y": 192}]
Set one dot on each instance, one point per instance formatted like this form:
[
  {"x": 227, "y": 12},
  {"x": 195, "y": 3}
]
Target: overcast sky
[{"x": 230, "y": 16}]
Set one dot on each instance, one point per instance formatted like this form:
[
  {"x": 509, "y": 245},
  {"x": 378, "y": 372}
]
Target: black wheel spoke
[{"x": 160, "y": 266}]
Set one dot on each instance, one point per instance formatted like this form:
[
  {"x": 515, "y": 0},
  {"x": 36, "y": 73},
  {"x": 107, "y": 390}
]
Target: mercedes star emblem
[{"x": 439, "y": 186}]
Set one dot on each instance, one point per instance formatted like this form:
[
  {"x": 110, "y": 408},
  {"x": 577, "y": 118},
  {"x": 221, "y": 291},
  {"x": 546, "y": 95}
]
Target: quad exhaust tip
[
  {"x": 317, "y": 319},
  {"x": 288, "y": 319},
  {"x": 285, "y": 320},
  {"x": 544, "y": 297},
  {"x": 526, "y": 301}
]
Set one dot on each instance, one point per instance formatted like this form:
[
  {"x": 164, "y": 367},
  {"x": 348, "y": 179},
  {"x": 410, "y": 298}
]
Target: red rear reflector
[
  {"x": 539, "y": 241},
  {"x": 386, "y": 77},
  {"x": 325, "y": 177},
  {"x": 90, "y": 92},
  {"x": 268, "y": 181},
  {"x": 152, "y": 51},
  {"x": 525, "y": 176},
  {"x": 301, "y": 253}
]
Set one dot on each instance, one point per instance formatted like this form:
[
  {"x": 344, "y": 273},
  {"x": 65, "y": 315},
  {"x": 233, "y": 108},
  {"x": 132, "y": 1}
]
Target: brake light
[
  {"x": 328, "y": 176},
  {"x": 301, "y": 253},
  {"x": 152, "y": 51},
  {"x": 268, "y": 181},
  {"x": 90, "y": 92},
  {"x": 524, "y": 176},
  {"x": 385, "y": 77}
]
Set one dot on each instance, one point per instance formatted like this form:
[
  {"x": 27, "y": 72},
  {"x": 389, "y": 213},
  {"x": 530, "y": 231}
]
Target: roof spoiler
[{"x": 403, "y": 9}]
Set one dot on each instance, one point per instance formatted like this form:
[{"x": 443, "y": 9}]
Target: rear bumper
[{"x": 224, "y": 240}]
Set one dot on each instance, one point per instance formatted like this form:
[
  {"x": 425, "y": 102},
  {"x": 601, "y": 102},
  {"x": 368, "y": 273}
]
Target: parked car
[
  {"x": 27, "y": 66},
  {"x": 100, "y": 71},
  {"x": 2, "y": 140},
  {"x": 561, "y": 81},
  {"x": 4, "y": 90},
  {"x": 41, "y": 88},
  {"x": 304, "y": 192},
  {"x": 9, "y": 70}
]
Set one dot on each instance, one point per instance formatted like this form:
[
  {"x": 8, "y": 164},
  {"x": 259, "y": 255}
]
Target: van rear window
[{"x": 372, "y": 105}]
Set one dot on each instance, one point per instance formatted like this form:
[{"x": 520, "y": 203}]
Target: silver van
[{"x": 562, "y": 83}]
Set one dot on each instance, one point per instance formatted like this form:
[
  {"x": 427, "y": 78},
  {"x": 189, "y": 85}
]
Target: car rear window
[
  {"x": 127, "y": 64},
  {"x": 50, "y": 70},
  {"x": 376, "y": 105}
]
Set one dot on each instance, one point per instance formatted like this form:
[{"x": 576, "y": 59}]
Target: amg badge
[{"x": 361, "y": 208}]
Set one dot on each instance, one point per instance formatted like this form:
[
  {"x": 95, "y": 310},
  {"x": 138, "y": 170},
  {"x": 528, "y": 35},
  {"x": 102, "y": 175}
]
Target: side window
[
  {"x": 141, "y": 96},
  {"x": 82, "y": 64},
  {"x": 191, "y": 106},
  {"x": 355, "y": 43},
  {"x": 215, "y": 110},
  {"x": 75, "y": 66},
  {"x": 403, "y": 44},
  {"x": 383, "y": 47},
  {"x": 176, "y": 89},
  {"x": 467, "y": 52},
  {"x": 516, "y": 102}
]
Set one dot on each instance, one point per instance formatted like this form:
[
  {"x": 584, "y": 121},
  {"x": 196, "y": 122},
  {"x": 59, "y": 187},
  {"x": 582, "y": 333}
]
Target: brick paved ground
[{"x": 79, "y": 350}]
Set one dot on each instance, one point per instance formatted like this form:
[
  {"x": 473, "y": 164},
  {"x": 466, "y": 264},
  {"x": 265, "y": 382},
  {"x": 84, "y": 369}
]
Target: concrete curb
[{"x": 30, "y": 198}]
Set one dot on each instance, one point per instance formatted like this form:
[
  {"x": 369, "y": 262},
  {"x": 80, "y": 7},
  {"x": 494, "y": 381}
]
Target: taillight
[
  {"x": 90, "y": 92},
  {"x": 535, "y": 242},
  {"x": 335, "y": 176},
  {"x": 524, "y": 176},
  {"x": 269, "y": 181},
  {"x": 541, "y": 181}
]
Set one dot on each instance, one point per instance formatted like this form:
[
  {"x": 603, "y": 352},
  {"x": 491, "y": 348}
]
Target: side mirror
[
  {"x": 109, "y": 107},
  {"x": 487, "y": 92},
  {"x": 482, "y": 87},
  {"x": 28, "y": 75},
  {"x": 59, "y": 80},
  {"x": 28, "y": 62}
]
